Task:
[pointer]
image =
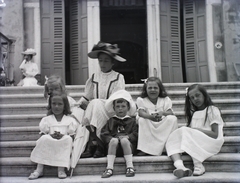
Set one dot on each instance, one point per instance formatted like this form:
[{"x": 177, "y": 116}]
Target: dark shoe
[
  {"x": 130, "y": 172},
  {"x": 88, "y": 153},
  {"x": 107, "y": 173},
  {"x": 98, "y": 154},
  {"x": 140, "y": 153}
]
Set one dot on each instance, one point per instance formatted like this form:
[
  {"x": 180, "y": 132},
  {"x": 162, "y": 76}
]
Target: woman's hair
[
  {"x": 66, "y": 110},
  {"x": 51, "y": 80},
  {"x": 190, "y": 108},
  {"x": 162, "y": 92}
]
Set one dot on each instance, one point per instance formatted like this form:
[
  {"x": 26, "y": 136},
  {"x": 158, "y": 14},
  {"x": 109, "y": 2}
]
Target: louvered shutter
[
  {"x": 170, "y": 41},
  {"x": 78, "y": 41},
  {"x": 52, "y": 38},
  {"x": 195, "y": 41}
]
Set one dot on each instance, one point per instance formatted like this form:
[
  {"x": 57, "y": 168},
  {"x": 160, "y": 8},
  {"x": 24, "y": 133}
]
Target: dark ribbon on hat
[{"x": 112, "y": 48}]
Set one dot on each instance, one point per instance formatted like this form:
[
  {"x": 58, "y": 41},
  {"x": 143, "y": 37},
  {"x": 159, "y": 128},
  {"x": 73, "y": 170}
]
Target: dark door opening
[{"x": 126, "y": 26}]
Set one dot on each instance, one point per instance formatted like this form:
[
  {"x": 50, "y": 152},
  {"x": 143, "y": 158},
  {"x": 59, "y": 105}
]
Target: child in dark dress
[{"x": 121, "y": 132}]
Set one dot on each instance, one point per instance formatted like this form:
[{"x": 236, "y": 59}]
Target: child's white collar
[{"x": 127, "y": 116}]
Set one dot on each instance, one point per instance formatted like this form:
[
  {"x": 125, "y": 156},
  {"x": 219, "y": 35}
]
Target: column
[
  {"x": 153, "y": 29},
  {"x": 93, "y": 13}
]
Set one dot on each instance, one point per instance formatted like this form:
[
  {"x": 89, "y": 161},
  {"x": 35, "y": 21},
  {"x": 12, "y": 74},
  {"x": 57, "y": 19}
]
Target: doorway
[{"x": 125, "y": 25}]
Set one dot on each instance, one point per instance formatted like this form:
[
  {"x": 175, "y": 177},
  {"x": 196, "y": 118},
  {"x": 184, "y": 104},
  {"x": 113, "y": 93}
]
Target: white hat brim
[
  {"x": 29, "y": 53},
  {"x": 118, "y": 95}
]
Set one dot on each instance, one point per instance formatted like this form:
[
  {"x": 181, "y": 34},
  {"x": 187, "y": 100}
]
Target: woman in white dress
[
  {"x": 54, "y": 147},
  {"x": 155, "y": 118},
  {"x": 98, "y": 89},
  {"x": 29, "y": 69},
  {"x": 203, "y": 136}
]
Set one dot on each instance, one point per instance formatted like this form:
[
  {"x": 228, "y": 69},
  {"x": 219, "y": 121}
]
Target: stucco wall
[
  {"x": 231, "y": 29},
  {"x": 12, "y": 27}
]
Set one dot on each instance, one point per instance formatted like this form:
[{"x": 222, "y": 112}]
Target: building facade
[{"x": 176, "y": 40}]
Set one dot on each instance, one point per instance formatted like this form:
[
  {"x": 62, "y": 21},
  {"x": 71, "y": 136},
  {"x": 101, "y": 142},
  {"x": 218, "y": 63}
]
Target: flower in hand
[
  {"x": 57, "y": 135},
  {"x": 156, "y": 117}
]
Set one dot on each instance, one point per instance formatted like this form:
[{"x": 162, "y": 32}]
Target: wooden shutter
[
  {"x": 170, "y": 41},
  {"x": 78, "y": 41},
  {"x": 53, "y": 38},
  {"x": 195, "y": 41}
]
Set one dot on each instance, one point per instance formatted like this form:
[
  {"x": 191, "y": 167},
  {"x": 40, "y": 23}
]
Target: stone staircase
[{"x": 21, "y": 110}]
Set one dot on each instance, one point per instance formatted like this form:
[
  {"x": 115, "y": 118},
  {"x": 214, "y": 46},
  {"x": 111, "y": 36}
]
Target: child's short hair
[
  {"x": 66, "y": 110},
  {"x": 121, "y": 100}
]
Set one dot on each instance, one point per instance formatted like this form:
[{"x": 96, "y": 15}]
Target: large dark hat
[{"x": 110, "y": 49}]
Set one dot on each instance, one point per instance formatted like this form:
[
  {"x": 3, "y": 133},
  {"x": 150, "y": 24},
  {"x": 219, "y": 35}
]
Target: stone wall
[
  {"x": 231, "y": 29},
  {"x": 12, "y": 26}
]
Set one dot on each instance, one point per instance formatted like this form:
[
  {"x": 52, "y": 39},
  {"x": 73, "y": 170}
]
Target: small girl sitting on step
[{"x": 54, "y": 147}]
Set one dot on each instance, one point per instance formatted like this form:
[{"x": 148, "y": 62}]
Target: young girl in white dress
[
  {"x": 155, "y": 118},
  {"x": 54, "y": 147},
  {"x": 203, "y": 136},
  {"x": 54, "y": 83}
]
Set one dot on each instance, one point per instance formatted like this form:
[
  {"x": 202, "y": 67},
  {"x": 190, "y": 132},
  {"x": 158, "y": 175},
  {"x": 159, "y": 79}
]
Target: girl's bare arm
[{"x": 213, "y": 133}]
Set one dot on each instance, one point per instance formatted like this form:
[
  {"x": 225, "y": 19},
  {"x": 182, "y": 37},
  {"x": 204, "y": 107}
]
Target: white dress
[
  {"x": 50, "y": 151},
  {"x": 77, "y": 112},
  {"x": 30, "y": 71},
  {"x": 152, "y": 136},
  {"x": 194, "y": 142},
  {"x": 99, "y": 88}
]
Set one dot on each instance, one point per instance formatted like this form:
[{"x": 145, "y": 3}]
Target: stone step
[
  {"x": 22, "y": 166},
  {"x": 222, "y": 104},
  {"x": 17, "y": 120},
  {"x": 40, "y": 108},
  {"x": 22, "y": 99},
  {"x": 21, "y": 120},
  {"x": 208, "y": 177},
  {"x": 232, "y": 128},
  {"x": 24, "y": 148},
  {"x": 31, "y": 133},
  {"x": 129, "y": 87},
  {"x": 173, "y": 94},
  {"x": 10, "y": 109}
]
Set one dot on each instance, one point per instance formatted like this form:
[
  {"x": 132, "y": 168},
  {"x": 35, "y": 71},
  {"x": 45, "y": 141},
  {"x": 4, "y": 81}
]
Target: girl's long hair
[
  {"x": 190, "y": 108},
  {"x": 66, "y": 110},
  {"x": 54, "y": 79},
  {"x": 162, "y": 92}
]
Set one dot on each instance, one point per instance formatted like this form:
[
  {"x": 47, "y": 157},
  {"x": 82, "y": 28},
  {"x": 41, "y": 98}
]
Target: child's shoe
[
  {"x": 179, "y": 173},
  {"x": 198, "y": 169},
  {"x": 35, "y": 175},
  {"x": 62, "y": 175},
  {"x": 107, "y": 173},
  {"x": 130, "y": 172}
]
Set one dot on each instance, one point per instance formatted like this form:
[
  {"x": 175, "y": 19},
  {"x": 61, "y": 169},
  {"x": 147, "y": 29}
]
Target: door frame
[{"x": 153, "y": 36}]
